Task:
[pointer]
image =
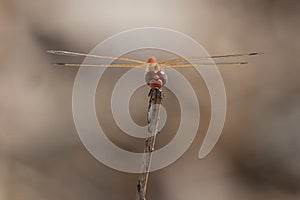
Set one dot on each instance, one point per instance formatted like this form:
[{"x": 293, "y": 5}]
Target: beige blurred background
[{"x": 257, "y": 156}]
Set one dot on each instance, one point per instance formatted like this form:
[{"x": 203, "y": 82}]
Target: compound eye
[
  {"x": 162, "y": 75},
  {"x": 149, "y": 76}
]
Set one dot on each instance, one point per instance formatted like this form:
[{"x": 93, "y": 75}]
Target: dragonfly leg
[{"x": 150, "y": 95}]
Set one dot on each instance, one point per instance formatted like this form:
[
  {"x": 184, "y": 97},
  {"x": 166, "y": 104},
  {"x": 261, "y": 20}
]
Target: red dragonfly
[{"x": 155, "y": 77}]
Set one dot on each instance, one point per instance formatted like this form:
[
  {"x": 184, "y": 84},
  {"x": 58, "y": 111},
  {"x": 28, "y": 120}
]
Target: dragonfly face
[{"x": 155, "y": 77}]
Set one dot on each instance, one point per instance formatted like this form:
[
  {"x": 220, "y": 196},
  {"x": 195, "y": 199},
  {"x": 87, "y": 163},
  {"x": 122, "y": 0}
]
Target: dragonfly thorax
[{"x": 153, "y": 65}]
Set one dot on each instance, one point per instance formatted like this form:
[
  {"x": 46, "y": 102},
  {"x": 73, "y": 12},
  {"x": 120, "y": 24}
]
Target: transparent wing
[
  {"x": 121, "y": 65},
  {"x": 69, "y": 53},
  {"x": 204, "y": 64},
  {"x": 210, "y": 57}
]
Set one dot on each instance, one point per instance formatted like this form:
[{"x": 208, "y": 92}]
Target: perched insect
[{"x": 155, "y": 75}]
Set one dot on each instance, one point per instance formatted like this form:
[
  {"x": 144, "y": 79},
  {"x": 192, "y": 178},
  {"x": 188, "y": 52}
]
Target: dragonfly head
[
  {"x": 152, "y": 64},
  {"x": 152, "y": 60}
]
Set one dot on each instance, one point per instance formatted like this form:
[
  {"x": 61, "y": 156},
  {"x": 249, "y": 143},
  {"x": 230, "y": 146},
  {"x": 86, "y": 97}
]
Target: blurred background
[{"x": 257, "y": 156}]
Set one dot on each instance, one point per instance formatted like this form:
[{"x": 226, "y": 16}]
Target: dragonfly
[{"x": 155, "y": 78}]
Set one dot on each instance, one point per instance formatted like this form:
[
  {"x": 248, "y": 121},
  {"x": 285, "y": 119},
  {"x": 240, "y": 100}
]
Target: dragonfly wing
[
  {"x": 210, "y": 57},
  {"x": 204, "y": 64},
  {"x": 100, "y": 65},
  {"x": 70, "y": 53}
]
